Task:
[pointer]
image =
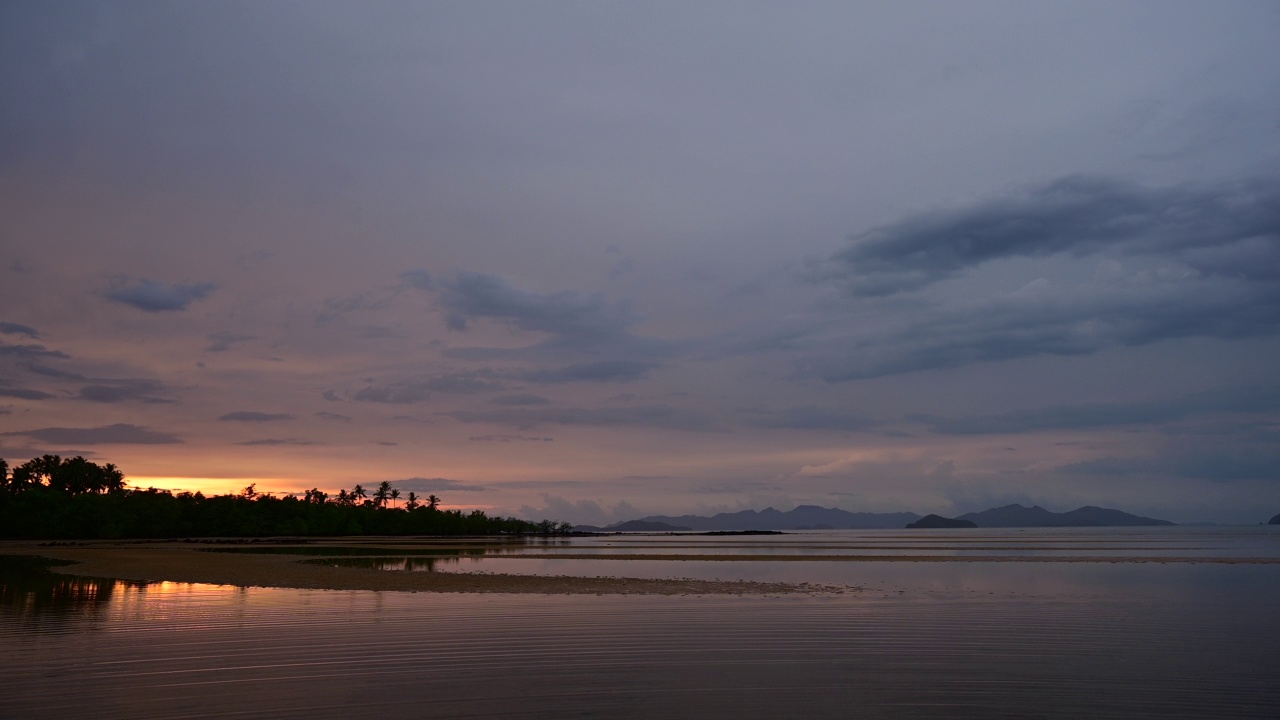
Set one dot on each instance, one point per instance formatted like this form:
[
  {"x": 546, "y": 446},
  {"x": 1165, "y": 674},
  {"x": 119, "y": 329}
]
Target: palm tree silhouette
[
  {"x": 395, "y": 495},
  {"x": 432, "y": 502},
  {"x": 380, "y": 495}
]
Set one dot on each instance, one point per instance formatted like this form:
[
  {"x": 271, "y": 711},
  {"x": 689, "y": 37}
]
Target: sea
[{"x": 1167, "y": 622}]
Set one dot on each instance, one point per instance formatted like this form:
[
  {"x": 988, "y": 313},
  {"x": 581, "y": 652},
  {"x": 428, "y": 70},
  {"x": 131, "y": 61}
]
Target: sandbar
[{"x": 183, "y": 563}]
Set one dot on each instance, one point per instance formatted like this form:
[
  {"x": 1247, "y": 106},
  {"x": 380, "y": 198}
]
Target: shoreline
[
  {"x": 270, "y": 563},
  {"x": 183, "y": 563}
]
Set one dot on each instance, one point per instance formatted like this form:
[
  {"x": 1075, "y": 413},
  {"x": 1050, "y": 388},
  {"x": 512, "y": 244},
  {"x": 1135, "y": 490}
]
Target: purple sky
[{"x": 592, "y": 261}]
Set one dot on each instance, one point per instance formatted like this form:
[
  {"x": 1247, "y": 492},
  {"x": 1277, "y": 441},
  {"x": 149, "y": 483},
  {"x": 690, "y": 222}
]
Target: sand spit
[{"x": 183, "y": 563}]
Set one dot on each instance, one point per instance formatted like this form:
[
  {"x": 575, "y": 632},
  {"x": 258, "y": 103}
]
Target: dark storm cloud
[
  {"x": 1220, "y": 229},
  {"x": 9, "y": 328},
  {"x": 276, "y": 441},
  {"x": 597, "y": 371},
  {"x": 808, "y": 417},
  {"x": 1073, "y": 417},
  {"x": 118, "y": 434},
  {"x": 222, "y": 341},
  {"x": 113, "y": 391},
  {"x": 152, "y": 296},
  {"x": 658, "y": 416},
  {"x": 251, "y": 416},
  {"x": 472, "y": 296}
]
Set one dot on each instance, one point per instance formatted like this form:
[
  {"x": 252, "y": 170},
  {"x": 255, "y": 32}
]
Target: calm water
[{"x": 920, "y": 639}]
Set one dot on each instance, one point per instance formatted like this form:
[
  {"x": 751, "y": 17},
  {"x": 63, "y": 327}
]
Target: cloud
[
  {"x": 516, "y": 400},
  {"x": 1246, "y": 456},
  {"x": 1072, "y": 215},
  {"x": 251, "y": 416},
  {"x": 12, "y": 390},
  {"x": 113, "y": 391},
  {"x": 1045, "y": 319},
  {"x": 336, "y": 307},
  {"x": 509, "y": 438},
  {"x": 487, "y": 380},
  {"x": 276, "y": 441},
  {"x": 808, "y": 417},
  {"x": 472, "y": 296},
  {"x": 30, "y": 352},
  {"x": 429, "y": 485},
  {"x": 660, "y": 416},
  {"x": 580, "y": 512},
  {"x": 55, "y": 373},
  {"x": 153, "y": 296},
  {"x": 9, "y": 328},
  {"x": 222, "y": 341},
  {"x": 597, "y": 371},
  {"x": 334, "y": 416},
  {"x": 413, "y": 391},
  {"x": 395, "y": 394},
  {"x": 419, "y": 279},
  {"x": 118, "y": 434},
  {"x": 1250, "y": 399}
]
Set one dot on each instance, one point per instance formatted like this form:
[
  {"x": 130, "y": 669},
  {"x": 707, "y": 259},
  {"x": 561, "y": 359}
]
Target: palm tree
[
  {"x": 358, "y": 493},
  {"x": 395, "y": 495},
  {"x": 413, "y": 502},
  {"x": 432, "y": 502},
  {"x": 382, "y": 493}
]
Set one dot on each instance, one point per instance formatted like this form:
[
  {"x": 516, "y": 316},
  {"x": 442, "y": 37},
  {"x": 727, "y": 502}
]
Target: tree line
[{"x": 51, "y": 497}]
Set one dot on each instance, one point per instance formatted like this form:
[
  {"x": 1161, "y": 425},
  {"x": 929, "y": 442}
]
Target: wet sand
[{"x": 184, "y": 563}]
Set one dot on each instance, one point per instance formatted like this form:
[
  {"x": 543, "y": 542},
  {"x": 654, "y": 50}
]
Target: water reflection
[
  {"x": 206, "y": 651},
  {"x": 28, "y": 590},
  {"x": 936, "y": 639}
]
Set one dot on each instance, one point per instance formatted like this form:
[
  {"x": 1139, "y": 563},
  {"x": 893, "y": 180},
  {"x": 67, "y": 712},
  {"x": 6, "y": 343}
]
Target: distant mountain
[
  {"x": 645, "y": 526},
  {"x": 1089, "y": 516},
  {"x": 1275, "y": 520},
  {"x": 813, "y": 517},
  {"x": 804, "y": 517},
  {"x": 937, "y": 521}
]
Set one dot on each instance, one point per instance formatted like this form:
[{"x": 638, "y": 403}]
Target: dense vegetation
[{"x": 51, "y": 497}]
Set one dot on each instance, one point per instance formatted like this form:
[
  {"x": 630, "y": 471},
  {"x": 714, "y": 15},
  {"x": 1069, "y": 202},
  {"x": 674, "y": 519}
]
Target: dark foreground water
[{"x": 921, "y": 639}]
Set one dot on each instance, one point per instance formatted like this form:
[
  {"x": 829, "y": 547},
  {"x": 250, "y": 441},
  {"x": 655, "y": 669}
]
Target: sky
[{"x": 590, "y": 261}]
